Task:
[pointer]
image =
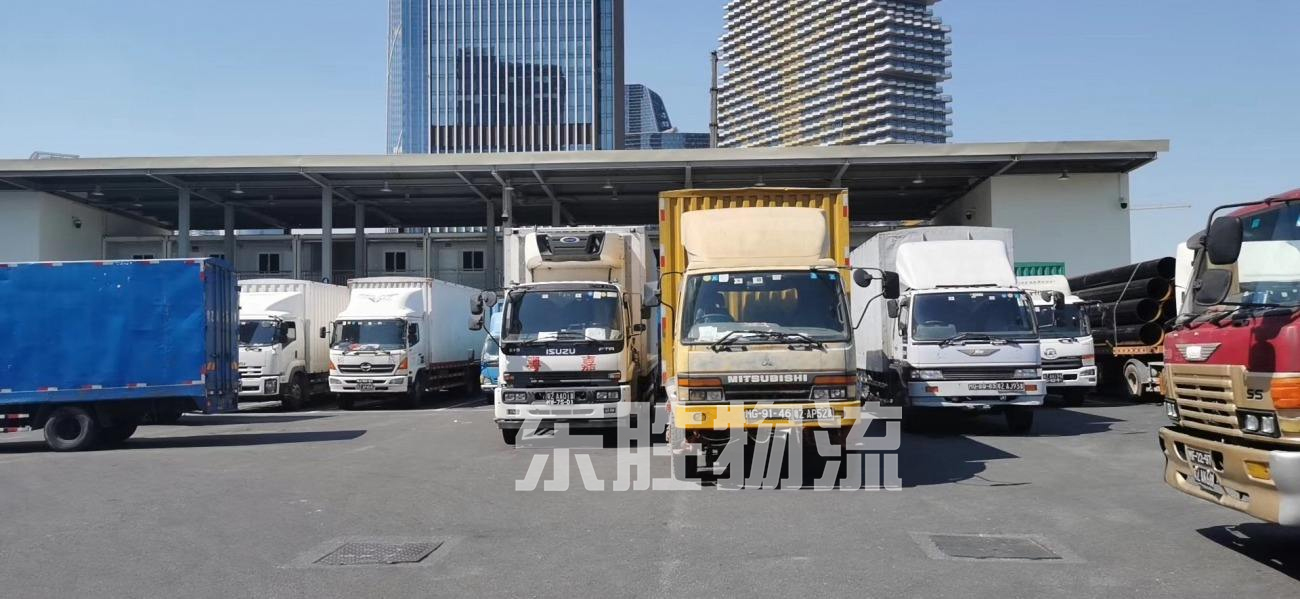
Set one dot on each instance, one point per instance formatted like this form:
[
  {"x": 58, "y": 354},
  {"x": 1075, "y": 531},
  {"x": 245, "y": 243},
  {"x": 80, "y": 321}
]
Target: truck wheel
[
  {"x": 510, "y": 435},
  {"x": 1073, "y": 398},
  {"x": 415, "y": 395},
  {"x": 70, "y": 428},
  {"x": 118, "y": 433},
  {"x": 1020, "y": 419},
  {"x": 1134, "y": 388},
  {"x": 294, "y": 396}
]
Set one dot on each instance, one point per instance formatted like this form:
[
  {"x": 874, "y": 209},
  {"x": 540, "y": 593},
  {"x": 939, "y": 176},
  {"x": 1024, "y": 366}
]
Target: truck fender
[{"x": 294, "y": 368}]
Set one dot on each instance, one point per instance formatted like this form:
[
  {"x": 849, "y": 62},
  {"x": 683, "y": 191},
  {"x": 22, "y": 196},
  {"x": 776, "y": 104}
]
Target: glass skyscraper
[
  {"x": 504, "y": 75},
  {"x": 833, "y": 72},
  {"x": 648, "y": 126}
]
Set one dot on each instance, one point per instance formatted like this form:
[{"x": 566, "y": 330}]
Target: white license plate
[
  {"x": 365, "y": 385},
  {"x": 1054, "y": 377},
  {"x": 1203, "y": 473},
  {"x": 1000, "y": 386},
  {"x": 559, "y": 398},
  {"x": 789, "y": 414}
]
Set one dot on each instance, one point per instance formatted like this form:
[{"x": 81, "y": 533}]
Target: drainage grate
[
  {"x": 984, "y": 547},
  {"x": 369, "y": 554}
]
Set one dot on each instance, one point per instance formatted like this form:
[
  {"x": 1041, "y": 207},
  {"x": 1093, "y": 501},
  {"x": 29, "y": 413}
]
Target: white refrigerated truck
[
  {"x": 961, "y": 335},
  {"x": 1064, "y": 336},
  {"x": 283, "y": 352},
  {"x": 403, "y": 338},
  {"x": 576, "y": 346}
]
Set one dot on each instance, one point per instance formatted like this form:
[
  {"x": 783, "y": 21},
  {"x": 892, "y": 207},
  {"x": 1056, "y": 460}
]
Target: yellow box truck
[{"x": 756, "y": 331}]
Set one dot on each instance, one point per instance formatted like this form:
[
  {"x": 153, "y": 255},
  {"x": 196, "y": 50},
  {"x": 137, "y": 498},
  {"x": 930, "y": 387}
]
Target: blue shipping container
[{"x": 100, "y": 331}]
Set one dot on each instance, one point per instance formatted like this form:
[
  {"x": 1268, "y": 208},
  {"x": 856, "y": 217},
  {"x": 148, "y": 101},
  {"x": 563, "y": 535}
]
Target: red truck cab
[{"x": 1232, "y": 376}]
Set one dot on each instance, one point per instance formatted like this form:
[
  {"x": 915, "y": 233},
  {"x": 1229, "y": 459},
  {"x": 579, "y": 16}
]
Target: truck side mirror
[
  {"x": 323, "y": 332},
  {"x": 489, "y": 298},
  {"x": 476, "y": 305},
  {"x": 1223, "y": 240},
  {"x": 891, "y": 306},
  {"x": 646, "y": 312},
  {"x": 476, "y": 321},
  {"x": 638, "y": 327},
  {"x": 652, "y": 300},
  {"x": 891, "y": 287},
  {"x": 862, "y": 278},
  {"x": 1213, "y": 287}
]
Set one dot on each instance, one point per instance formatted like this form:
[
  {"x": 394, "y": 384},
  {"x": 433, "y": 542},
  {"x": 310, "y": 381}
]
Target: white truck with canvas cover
[
  {"x": 283, "y": 350},
  {"x": 575, "y": 343},
  {"x": 962, "y": 333},
  {"x": 1064, "y": 337},
  {"x": 402, "y": 338}
]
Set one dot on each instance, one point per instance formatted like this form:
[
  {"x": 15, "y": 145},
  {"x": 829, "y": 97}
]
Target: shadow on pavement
[
  {"x": 1277, "y": 547},
  {"x": 217, "y": 419},
  {"x": 1070, "y": 423},
  {"x": 241, "y": 439},
  {"x": 947, "y": 459},
  {"x": 1047, "y": 423}
]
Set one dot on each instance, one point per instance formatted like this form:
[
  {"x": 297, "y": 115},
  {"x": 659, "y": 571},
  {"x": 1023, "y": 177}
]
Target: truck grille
[
  {"x": 373, "y": 369},
  {"x": 245, "y": 371},
  {"x": 565, "y": 379},
  {"x": 773, "y": 393},
  {"x": 978, "y": 374},
  {"x": 1069, "y": 363},
  {"x": 1204, "y": 397}
]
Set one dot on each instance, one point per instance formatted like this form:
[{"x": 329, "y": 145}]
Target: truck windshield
[
  {"x": 1268, "y": 269},
  {"x": 259, "y": 333},
  {"x": 798, "y": 302},
  {"x": 369, "y": 334},
  {"x": 940, "y": 316},
  {"x": 1068, "y": 321},
  {"x": 566, "y": 315}
]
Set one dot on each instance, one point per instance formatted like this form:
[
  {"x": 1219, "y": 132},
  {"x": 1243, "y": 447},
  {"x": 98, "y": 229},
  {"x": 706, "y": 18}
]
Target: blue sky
[{"x": 158, "y": 77}]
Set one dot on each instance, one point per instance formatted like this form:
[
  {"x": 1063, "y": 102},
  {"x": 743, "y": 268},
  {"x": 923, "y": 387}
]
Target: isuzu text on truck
[
  {"x": 574, "y": 341},
  {"x": 962, "y": 334},
  {"x": 403, "y": 338},
  {"x": 92, "y": 348},
  {"x": 283, "y": 338},
  {"x": 1064, "y": 337},
  {"x": 755, "y": 318},
  {"x": 1232, "y": 365}
]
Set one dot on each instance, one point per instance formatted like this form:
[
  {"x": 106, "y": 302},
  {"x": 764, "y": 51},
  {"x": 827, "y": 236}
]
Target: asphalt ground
[{"x": 247, "y": 504}]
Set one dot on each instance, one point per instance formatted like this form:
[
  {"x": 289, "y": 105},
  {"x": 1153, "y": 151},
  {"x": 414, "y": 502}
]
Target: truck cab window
[
  {"x": 288, "y": 332},
  {"x": 805, "y": 303}
]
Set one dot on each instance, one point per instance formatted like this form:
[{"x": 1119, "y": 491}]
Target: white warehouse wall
[
  {"x": 37, "y": 226},
  {"x": 1078, "y": 221}
]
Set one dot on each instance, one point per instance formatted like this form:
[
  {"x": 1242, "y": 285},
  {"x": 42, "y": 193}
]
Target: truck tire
[
  {"x": 294, "y": 396},
  {"x": 70, "y": 428},
  {"x": 510, "y": 435},
  {"x": 1134, "y": 385},
  {"x": 415, "y": 395},
  {"x": 1020, "y": 419},
  {"x": 1073, "y": 398},
  {"x": 118, "y": 433}
]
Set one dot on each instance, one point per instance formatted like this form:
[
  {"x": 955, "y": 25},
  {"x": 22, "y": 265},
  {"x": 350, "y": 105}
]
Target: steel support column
[
  {"x": 359, "y": 261},
  {"x": 507, "y": 206},
  {"x": 183, "y": 223},
  {"x": 490, "y": 249},
  {"x": 327, "y": 233},
  {"x": 557, "y": 213},
  {"x": 228, "y": 239}
]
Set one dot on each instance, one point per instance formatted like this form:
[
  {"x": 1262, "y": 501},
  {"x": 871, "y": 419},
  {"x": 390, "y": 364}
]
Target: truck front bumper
[
  {"x": 392, "y": 383},
  {"x": 579, "y": 414},
  {"x": 1275, "y": 498},
  {"x": 754, "y": 414},
  {"x": 261, "y": 386},
  {"x": 974, "y": 394},
  {"x": 1077, "y": 377}
]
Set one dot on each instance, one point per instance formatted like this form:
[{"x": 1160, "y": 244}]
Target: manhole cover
[
  {"x": 989, "y": 547},
  {"x": 362, "y": 554}
]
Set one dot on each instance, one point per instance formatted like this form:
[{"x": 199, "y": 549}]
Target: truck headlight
[
  {"x": 608, "y": 396},
  {"x": 927, "y": 375},
  {"x": 704, "y": 395},
  {"x": 271, "y": 386},
  {"x": 397, "y": 381},
  {"x": 1171, "y": 410},
  {"x": 1259, "y": 423},
  {"x": 514, "y": 397},
  {"x": 1028, "y": 373},
  {"x": 830, "y": 393}
]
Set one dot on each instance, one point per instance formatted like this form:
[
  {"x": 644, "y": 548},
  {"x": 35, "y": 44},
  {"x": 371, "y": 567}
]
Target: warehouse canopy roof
[{"x": 886, "y": 182}]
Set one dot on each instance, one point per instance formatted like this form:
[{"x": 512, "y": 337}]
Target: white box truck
[
  {"x": 576, "y": 346},
  {"x": 403, "y": 338},
  {"x": 283, "y": 350},
  {"x": 960, "y": 336},
  {"x": 1064, "y": 337}
]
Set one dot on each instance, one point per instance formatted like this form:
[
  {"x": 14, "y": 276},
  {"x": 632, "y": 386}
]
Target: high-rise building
[
  {"x": 648, "y": 126},
  {"x": 504, "y": 75},
  {"x": 833, "y": 72}
]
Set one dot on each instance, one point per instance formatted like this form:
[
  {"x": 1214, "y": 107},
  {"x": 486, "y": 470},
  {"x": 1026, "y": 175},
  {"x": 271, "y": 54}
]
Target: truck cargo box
[{"x": 81, "y": 332}]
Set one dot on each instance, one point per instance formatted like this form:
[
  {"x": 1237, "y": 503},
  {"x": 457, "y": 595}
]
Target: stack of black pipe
[{"x": 1134, "y": 302}]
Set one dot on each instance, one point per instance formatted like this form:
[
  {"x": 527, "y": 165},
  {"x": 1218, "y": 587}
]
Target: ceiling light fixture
[
  {"x": 386, "y": 188},
  {"x": 99, "y": 193},
  {"x": 760, "y": 182},
  {"x": 918, "y": 180},
  {"x": 237, "y": 190},
  {"x": 608, "y": 185},
  {"x": 1065, "y": 176}
]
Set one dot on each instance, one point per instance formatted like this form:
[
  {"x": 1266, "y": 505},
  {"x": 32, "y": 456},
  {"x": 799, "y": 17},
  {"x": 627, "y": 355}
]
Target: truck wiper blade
[
  {"x": 732, "y": 337},
  {"x": 802, "y": 338},
  {"x": 960, "y": 337}
]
